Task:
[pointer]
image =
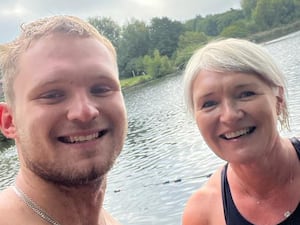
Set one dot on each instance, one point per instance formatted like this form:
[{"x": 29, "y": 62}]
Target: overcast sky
[{"x": 15, "y": 12}]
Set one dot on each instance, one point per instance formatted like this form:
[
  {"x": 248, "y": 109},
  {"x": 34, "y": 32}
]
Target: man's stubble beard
[
  {"x": 69, "y": 177},
  {"x": 65, "y": 174}
]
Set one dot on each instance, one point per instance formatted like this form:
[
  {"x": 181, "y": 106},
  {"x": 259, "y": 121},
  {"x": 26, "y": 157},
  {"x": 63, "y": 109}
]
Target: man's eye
[
  {"x": 208, "y": 104},
  {"x": 52, "y": 95},
  {"x": 246, "y": 94}
]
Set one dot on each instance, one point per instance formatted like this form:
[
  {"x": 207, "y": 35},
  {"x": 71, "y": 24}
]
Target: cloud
[{"x": 9, "y": 26}]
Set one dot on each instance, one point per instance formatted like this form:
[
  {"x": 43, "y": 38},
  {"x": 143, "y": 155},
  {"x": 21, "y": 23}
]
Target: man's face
[{"x": 69, "y": 111}]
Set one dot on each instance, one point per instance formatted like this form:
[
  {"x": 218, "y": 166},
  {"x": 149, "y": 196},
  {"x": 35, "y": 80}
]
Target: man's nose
[{"x": 83, "y": 108}]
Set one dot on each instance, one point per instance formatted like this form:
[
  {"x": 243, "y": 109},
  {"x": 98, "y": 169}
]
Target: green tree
[
  {"x": 183, "y": 55},
  {"x": 273, "y": 13},
  {"x": 188, "y": 42},
  {"x": 237, "y": 30},
  {"x": 297, "y": 9},
  {"x": 226, "y": 19},
  {"x": 285, "y": 10},
  {"x": 157, "y": 66},
  {"x": 191, "y": 38},
  {"x": 134, "y": 44},
  {"x": 135, "y": 66},
  {"x": 164, "y": 35},
  {"x": 194, "y": 24},
  {"x": 248, "y": 7},
  {"x": 263, "y": 14},
  {"x": 210, "y": 25},
  {"x": 107, "y": 27}
]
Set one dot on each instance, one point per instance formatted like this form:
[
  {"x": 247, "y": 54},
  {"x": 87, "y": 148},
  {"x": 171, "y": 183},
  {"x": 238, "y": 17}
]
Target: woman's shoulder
[
  {"x": 205, "y": 202},
  {"x": 210, "y": 190}
]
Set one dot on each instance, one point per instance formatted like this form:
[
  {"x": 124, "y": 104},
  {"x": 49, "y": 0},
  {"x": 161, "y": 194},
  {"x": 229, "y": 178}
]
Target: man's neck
[{"x": 81, "y": 204}]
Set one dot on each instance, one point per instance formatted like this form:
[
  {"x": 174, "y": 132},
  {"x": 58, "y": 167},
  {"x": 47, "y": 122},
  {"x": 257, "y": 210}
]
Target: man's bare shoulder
[
  {"x": 109, "y": 219},
  {"x": 6, "y": 198},
  {"x": 9, "y": 208},
  {"x": 205, "y": 205}
]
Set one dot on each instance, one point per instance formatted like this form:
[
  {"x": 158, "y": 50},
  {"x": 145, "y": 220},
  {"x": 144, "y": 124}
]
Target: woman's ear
[
  {"x": 6, "y": 121},
  {"x": 279, "y": 99}
]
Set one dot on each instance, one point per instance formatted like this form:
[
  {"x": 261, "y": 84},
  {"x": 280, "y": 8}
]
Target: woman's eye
[
  {"x": 100, "y": 90},
  {"x": 246, "y": 94},
  {"x": 208, "y": 104}
]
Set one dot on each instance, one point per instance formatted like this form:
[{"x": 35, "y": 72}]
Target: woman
[{"x": 236, "y": 94}]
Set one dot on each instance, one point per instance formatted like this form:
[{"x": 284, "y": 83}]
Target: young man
[{"x": 65, "y": 110}]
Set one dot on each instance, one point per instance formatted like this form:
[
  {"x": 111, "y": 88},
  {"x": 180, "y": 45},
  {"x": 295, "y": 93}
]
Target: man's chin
[
  {"x": 74, "y": 178},
  {"x": 92, "y": 178}
]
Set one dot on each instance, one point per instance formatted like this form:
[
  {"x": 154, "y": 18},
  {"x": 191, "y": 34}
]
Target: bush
[
  {"x": 157, "y": 66},
  {"x": 4, "y": 142}
]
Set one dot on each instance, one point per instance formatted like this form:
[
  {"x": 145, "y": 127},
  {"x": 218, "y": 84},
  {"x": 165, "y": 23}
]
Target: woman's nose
[{"x": 230, "y": 112}]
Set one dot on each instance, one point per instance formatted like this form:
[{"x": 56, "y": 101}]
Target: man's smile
[{"x": 82, "y": 138}]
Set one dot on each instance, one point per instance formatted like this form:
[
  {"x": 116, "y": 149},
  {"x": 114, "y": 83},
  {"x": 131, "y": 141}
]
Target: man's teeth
[
  {"x": 236, "y": 134},
  {"x": 74, "y": 139}
]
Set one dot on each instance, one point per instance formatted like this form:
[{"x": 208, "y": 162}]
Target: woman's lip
[{"x": 237, "y": 133}]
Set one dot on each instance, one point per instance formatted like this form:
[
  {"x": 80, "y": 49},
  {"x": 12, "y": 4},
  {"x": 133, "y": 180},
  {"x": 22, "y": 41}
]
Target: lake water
[{"x": 164, "y": 159}]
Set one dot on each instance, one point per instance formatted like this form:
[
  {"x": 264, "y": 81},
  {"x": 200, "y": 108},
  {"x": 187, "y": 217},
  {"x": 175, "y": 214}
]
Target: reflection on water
[
  {"x": 156, "y": 171},
  {"x": 8, "y": 167},
  {"x": 164, "y": 159},
  {"x": 286, "y": 52}
]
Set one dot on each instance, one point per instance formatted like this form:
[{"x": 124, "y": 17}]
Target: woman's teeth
[{"x": 238, "y": 133}]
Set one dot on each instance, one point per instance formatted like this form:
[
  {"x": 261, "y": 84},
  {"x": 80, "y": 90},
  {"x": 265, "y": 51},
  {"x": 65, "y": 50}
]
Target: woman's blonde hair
[{"x": 235, "y": 55}]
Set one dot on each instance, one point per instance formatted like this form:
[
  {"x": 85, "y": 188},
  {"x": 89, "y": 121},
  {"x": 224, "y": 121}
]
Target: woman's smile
[{"x": 238, "y": 133}]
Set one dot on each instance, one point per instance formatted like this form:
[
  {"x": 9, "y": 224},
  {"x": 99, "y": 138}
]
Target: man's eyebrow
[{"x": 50, "y": 81}]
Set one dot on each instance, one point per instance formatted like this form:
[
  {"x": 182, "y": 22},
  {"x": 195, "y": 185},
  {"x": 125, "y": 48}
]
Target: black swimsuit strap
[
  {"x": 224, "y": 183},
  {"x": 296, "y": 144},
  {"x": 231, "y": 213}
]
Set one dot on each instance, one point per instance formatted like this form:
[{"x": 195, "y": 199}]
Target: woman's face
[{"x": 236, "y": 114}]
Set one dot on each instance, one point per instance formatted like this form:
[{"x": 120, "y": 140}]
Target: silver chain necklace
[{"x": 33, "y": 206}]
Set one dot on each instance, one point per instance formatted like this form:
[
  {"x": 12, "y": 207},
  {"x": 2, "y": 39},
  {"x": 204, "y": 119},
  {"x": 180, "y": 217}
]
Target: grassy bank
[
  {"x": 275, "y": 33},
  {"x": 133, "y": 81}
]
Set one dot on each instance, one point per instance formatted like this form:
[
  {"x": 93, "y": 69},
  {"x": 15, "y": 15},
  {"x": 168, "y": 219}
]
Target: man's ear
[{"x": 6, "y": 121}]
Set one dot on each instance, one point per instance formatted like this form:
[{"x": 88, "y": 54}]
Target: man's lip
[{"x": 80, "y": 138}]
